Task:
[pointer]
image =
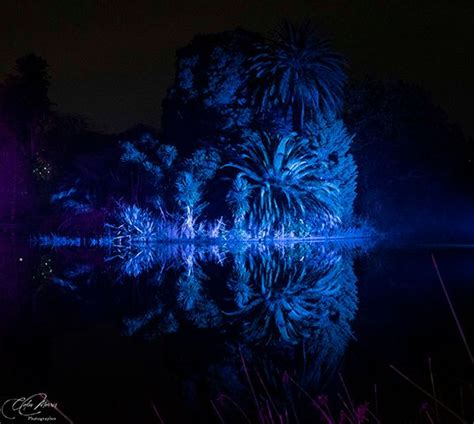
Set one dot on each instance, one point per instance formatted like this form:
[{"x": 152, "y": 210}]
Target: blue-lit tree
[
  {"x": 196, "y": 171},
  {"x": 272, "y": 106},
  {"x": 333, "y": 161},
  {"x": 296, "y": 70},
  {"x": 208, "y": 103},
  {"x": 283, "y": 191},
  {"x": 252, "y": 145},
  {"x": 289, "y": 185},
  {"x": 148, "y": 162}
]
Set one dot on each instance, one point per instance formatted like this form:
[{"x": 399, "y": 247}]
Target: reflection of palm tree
[
  {"x": 300, "y": 301},
  {"x": 292, "y": 298},
  {"x": 297, "y": 71},
  {"x": 189, "y": 284}
]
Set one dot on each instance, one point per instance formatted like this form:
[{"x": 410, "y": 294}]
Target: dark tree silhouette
[
  {"x": 24, "y": 115},
  {"x": 25, "y": 102},
  {"x": 415, "y": 167}
]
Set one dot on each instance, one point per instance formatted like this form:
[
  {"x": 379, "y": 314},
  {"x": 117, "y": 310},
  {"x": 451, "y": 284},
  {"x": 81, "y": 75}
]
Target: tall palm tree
[{"x": 297, "y": 71}]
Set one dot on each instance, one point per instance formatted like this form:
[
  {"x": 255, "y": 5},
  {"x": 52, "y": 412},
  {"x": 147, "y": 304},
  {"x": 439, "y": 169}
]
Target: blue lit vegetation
[
  {"x": 283, "y": 297},
  {"x": 253, "y": 146},
  {"x": 252, "y": 165},
  {"x": 298, "y": 296},
  {"x": 238, "y": 219},
  {"x": 296, "y": 71}
]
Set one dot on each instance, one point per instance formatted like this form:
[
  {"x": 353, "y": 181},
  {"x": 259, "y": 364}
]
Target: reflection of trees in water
[
  {"x": 179, "y": 295},
  {"x": 138, "y": 259},
  {"x": 293, "y": 307},
  {"x": 292, "y": 294},
  {"x": 290, "y": 307}
]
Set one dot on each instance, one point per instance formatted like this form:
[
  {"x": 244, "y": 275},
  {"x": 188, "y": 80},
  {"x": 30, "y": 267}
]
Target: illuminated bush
[
  {"x": 278, "y": 189},
  {"x": 331, "y": 143},
  {"x": 133, "y": 225}
]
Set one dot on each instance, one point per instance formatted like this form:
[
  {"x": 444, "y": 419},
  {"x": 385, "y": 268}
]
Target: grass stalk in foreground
[{"x": 458, "y": 324}]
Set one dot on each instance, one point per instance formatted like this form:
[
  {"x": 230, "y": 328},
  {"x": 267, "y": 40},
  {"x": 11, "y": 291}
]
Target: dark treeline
[{"x": 414, "y": 168}]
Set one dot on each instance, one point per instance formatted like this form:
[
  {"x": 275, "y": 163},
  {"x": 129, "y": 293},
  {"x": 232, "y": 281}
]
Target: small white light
[{"x": 20, "y": 259}]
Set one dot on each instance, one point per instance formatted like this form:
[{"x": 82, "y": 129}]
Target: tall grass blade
[
  {"x": 458, "y": 324},
  {"x": 446, "y": 408}
]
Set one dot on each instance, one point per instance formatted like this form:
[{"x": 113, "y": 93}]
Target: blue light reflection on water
[
  {"x": 282, "y": 296},
  {"x": 187, "y": 315}
]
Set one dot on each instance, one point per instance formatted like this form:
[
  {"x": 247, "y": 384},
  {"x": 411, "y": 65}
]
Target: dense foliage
[
  {"x": 278, "y": 190},
  {"x": 250, "y": 147},
  {"x": 271, "y": 108},
  {"x": 297, "y": 71},
  {"x": 238, "y": 96}
]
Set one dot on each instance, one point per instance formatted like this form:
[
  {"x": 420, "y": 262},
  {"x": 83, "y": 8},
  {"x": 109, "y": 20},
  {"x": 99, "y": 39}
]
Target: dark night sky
[{"x": 113, "y": 60}]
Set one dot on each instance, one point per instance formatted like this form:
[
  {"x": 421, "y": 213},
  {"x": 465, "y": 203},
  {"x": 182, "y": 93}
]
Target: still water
[{"x": 250, "y": 332}]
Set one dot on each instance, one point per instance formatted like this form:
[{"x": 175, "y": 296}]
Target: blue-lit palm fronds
[
  {"x": 189, "y": 190},
  {"x": 132, "y": 231},
  {"x": 279, "y": 295},
  {"x": 188, "y": 196},
  {"x": 190, "y": 183},
  {"x": 134, "y": 225},
  {"x": 277, "y": 185},
  {"x": 297, "y": 71},
  {"x": 238, "y": 198}
]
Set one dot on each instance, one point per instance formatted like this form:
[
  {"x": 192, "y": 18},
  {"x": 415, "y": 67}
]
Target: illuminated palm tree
[
  {"x": 297, "y": 71},
  {"x": 282, "y": 186}
]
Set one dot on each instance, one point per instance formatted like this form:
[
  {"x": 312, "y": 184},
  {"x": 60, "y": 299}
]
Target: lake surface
[{"x": 203, "y": 333}]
